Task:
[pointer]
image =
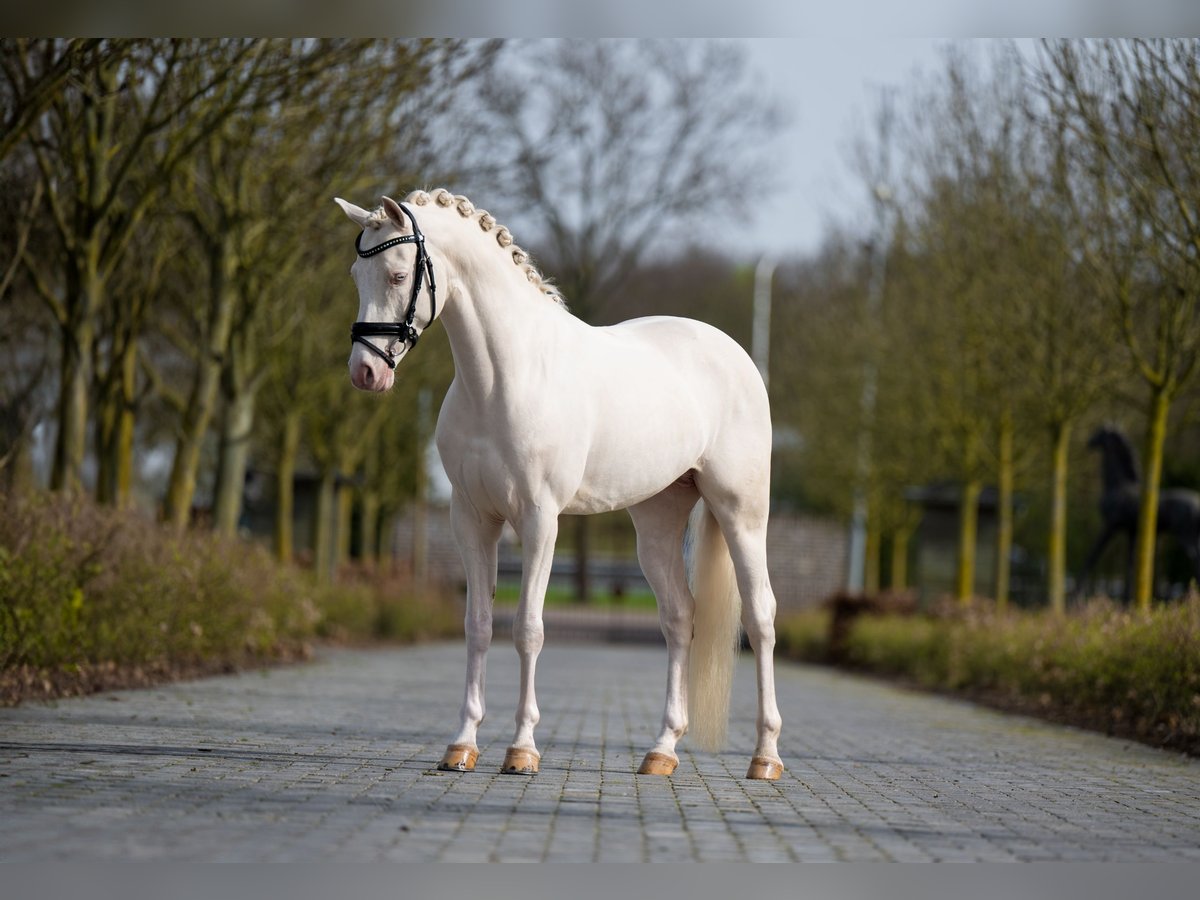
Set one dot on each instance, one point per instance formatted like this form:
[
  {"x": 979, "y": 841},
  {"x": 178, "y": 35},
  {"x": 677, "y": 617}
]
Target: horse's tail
[{"x": 715, "y": 630}]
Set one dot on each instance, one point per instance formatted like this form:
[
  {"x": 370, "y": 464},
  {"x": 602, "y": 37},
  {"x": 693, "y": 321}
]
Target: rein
[{"x": 404, "y": 331}]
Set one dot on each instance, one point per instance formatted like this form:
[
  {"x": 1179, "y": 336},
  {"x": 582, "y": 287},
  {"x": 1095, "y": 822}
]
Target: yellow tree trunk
[
  {"x": 968, "y": 529},
  {"x": 368, "y": 525},
  {"x": 1156, "y": 435},
  {"x": 285, "y": 494},
  {"x": 900, "y": 539},
  {"x": 126, "y": 423},
  {"x": 1004, "y": 512},
  {"x": 323, "y": 546},
  {"x": 1056, "y": 550},
  {"x": 181, "y": 486},
  {"x": 78, "y": 339}
]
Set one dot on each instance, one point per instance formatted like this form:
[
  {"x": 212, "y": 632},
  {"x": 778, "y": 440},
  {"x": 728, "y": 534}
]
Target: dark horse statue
[{"x": 1178, "y": 510}]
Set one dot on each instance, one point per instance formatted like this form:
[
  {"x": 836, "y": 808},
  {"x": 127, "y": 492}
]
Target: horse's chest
[
  {"x": 503, "y": 458},
  {"x": 1120, "y": 506}
]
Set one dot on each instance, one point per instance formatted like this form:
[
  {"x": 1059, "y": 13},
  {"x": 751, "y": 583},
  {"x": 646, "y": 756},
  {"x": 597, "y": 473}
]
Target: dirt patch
[{"x": 26, "y": 683}]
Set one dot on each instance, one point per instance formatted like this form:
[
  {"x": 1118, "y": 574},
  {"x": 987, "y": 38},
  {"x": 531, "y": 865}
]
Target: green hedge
[
  {"x": 87, "y": 590},
  {"x": 1100, "y": 667}
]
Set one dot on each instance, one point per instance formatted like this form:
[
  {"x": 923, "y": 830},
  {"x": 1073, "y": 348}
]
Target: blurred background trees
[{"x": 174, "y": 300}]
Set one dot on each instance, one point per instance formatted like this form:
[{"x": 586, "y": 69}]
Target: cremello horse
[{"x": 547, "y": 415}]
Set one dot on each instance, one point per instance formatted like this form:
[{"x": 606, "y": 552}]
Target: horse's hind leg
[
  {"x": 660, "y": 523},
  {"x": 743, "y": 521}
]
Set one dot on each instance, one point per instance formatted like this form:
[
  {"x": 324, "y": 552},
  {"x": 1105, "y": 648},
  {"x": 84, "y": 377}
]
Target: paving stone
[{"x": 336, "y": 760}]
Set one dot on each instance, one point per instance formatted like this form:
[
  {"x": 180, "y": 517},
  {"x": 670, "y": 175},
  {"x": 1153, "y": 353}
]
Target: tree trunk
[
  {"x": 285, "y": 487},
  {"x": 872, "y": 550},
  {"x": 182, "y": 485},
  {"x": 126, "y": 422},
  {"x": 1156, "y": 435},
  {"x": 899, "y": 574},
  {"x": 345, "y": 515},
  {"x": 237, "y": 424},
  {"x": 107, "y": 413},
  {"x": 71, "y": 441},
  {"x": 323, "y": 548},
  {"x": 115, "y": 423},
  {"x": 1004, "y": 512},
  {"x": 368, "y": 525},
  {"x": 968, "y": 527},
  {"x": 384, "y": 549},
  {"x": 1056, "y": 552},
  {"x": 583, "y": 575}
]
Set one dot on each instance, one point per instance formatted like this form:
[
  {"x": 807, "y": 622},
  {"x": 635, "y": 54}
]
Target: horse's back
[
  {"x": 1179, "y": 511},
  {"x": 705, "y": 355}
]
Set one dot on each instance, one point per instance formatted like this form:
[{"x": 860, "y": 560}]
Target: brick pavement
[{"x": 335, "y": 760}]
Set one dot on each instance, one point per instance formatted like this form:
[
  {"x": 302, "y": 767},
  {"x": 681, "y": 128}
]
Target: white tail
[{"x": 716, "y": 633}]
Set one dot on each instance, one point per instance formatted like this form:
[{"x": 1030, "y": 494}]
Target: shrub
[
  {"x": 87, "y": 590},
  {"x": 1101, "y": 667},
  {"x": 803, "y": 636}
]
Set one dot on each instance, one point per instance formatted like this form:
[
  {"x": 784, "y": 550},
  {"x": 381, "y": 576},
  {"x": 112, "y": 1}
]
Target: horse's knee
[
  {"x": 528, "y": 635},
  {"x": 477, "y": 625}
]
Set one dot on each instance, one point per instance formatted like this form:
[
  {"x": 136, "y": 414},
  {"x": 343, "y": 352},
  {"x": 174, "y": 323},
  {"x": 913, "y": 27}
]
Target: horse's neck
[
  {"x": 1116, "y": 472},
  {"x": 493, "y": 327}
]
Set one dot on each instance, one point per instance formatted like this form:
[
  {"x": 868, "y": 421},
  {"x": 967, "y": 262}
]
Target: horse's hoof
[
  {"x": 657, "y": 763},
  {"x": 519, "y": 761},
  {"x": 763, "y": 768},
  {"x": 459, "y": 758}
]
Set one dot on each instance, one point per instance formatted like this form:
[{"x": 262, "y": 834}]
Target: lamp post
[
  {"x": 760, "y": 339},
  {"x": 878, "y": 249}
]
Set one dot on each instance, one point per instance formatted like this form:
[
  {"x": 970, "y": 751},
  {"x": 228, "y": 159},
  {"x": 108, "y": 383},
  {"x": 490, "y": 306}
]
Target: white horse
[{"x": 547, "y": 415}]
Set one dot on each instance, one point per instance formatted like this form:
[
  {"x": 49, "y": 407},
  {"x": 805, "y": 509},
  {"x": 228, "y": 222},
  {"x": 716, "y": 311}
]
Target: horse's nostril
[{"x": 367, "y": 376}]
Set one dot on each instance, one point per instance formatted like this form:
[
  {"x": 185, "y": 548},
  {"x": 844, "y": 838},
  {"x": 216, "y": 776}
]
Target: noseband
[{"x": 404, "y": 331}]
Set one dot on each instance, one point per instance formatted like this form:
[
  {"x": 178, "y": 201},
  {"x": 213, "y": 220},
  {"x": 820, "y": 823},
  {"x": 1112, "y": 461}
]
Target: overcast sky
[{"x": 829, "y": 86}]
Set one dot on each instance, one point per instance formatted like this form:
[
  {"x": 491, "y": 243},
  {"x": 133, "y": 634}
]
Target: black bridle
[{"x": 404, "y": 331}]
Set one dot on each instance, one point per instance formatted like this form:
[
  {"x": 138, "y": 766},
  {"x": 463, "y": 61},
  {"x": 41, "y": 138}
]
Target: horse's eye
[{"x": 398, "y": 277}]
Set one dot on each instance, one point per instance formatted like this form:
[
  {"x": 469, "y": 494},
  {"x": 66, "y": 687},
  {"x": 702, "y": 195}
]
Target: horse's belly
[
  {"x": 591, "y": 499},
  {"x": 620, "y": 475}
]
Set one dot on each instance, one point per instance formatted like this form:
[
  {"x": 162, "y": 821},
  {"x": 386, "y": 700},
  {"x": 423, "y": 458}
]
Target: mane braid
[{"x": 487, "y": 223}]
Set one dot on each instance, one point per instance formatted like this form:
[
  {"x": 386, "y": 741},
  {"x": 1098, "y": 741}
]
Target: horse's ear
[
  {"x": 395, "y": 213},
  {"x": 357, "y": 214}
]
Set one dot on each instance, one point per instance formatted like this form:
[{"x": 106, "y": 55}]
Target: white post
[
  {"x": 856, "y": 577},
  {"x": 760, "y": 342}
]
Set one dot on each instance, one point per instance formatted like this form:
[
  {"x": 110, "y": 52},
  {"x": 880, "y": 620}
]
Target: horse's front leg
[
  {"x": 1084, "y": 585},
  {"x": 538, "y": 533},
  {"x": 477, "y": 537}
]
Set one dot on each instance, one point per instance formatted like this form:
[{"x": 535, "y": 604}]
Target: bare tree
[
  {"x": 35, "y": 75},
  {"x": 1128, "y": 114},
  {"x": 607, "y": 148},
  {"x": 105, "y": 148}
]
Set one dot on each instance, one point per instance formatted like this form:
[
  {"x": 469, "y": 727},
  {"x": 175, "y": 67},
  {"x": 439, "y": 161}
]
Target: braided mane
[{"x": 487, "y": 222}]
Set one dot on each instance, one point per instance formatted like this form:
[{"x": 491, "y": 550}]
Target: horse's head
[
  {"x": 1108, "y": 436},
  {"x": 1100, "y": 437},
  {"x": 397, "y": 297}
]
